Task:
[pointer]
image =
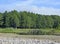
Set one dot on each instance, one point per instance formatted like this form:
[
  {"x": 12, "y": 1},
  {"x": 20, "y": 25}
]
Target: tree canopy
[{"x": 26, "y": 19}]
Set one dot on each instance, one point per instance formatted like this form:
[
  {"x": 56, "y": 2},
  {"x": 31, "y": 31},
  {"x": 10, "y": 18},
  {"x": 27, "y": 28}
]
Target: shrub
[{"x": 35, "y": 32}]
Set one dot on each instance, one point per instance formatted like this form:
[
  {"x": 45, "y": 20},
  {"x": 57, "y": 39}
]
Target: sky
[{"x": 46, "y": 7}]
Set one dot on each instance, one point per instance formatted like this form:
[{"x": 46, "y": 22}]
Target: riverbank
[{"x": 39, "y": 37}]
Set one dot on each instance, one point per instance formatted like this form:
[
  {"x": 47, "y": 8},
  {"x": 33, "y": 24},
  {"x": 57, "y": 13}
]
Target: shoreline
[{"x": 39, "y": 37}]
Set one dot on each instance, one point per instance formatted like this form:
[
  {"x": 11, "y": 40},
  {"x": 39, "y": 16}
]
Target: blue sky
[{"x": 49, "y": 7}]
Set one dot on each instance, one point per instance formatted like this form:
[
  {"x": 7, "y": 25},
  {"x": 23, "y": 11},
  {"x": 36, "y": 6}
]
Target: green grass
[
  {"x": 24, "y": 31},
  {"x": 13, "y": 30}
]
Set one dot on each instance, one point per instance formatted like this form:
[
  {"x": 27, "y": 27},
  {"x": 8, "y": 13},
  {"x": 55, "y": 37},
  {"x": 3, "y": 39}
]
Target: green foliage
[
  {"x": 35, "y": 32},
  {"x": 30, "y": 31},
  {"x": 1, "y": 19},
  {"x": 25, "y": 19},
  {"x": 15, "y": 19}
]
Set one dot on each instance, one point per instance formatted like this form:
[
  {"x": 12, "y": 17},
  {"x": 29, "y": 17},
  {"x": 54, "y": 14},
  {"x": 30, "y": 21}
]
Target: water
[{"x": 5, "y": 40}]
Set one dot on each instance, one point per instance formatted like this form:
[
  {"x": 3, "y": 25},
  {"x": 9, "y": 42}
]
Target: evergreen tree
[{"x": 1, "y": 19}]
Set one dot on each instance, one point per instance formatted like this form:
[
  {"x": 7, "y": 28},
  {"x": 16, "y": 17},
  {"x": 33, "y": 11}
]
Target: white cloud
[
  {"x": 43, "y": 10},
  {"x": 27, "y": 6},
  {"x": 47, "y": 11}
]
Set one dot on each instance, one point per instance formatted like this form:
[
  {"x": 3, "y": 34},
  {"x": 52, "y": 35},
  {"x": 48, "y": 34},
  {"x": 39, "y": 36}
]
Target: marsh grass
[{"x": 31, "y": 31}]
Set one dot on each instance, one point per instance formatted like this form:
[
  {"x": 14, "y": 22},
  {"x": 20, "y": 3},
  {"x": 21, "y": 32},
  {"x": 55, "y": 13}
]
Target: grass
[
  {"x": 23, "y": 31},
  {"x": 13, "y": 30}
]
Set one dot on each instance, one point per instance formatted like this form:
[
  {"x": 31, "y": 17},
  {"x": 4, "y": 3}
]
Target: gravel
[
  {"x": 9, "y": 40},
  {"x": 6, "y": 38}
]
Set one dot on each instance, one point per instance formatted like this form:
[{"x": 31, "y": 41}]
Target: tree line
[{"x": 24, "y": 19}]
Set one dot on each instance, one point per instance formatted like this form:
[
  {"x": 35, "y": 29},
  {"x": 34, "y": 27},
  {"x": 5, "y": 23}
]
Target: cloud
[
  {"x": 42, "y": 10},
  {"x": 36, "y": 6},
  {"x": 46, "y": 11}
]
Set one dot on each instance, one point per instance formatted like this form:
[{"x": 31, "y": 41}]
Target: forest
[{"x": 29, "y": 20}]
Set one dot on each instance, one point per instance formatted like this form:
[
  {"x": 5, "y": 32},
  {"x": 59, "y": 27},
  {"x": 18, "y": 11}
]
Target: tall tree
[
  {"x": 26, "y": 19},
  {"x": 14, "y": 20},
  {"x": 1, "y": 19}
]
